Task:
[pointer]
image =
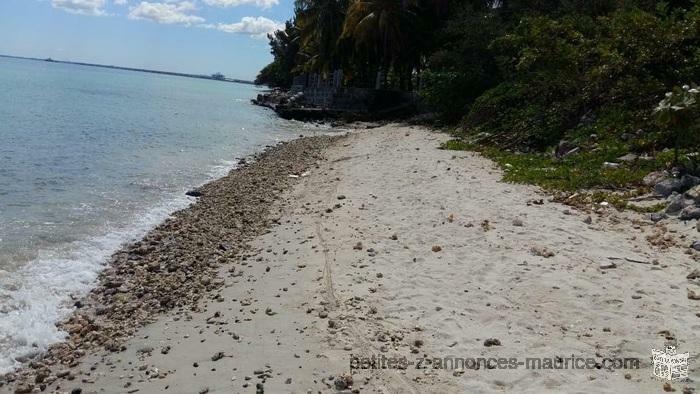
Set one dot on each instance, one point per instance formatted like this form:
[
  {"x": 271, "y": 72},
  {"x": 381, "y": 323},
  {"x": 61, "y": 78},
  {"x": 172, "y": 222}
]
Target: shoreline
[
  {"x": 104, "y": 316},
  {"x": 389, "y": 247}
]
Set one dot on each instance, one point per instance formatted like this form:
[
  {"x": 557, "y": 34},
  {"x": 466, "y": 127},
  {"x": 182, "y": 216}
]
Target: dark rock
[
  {"x": 668, "y": 186},
  {"x": 690, "y": 213},
  {"x": 676, "y": 202},
  {"x": 492, "y": 342},
  {"x": 343, "y": 382},
  {"x": 194, "y": 193},
  {"x": 657, "y": 216},
  {"x": 689, "y": 181}
]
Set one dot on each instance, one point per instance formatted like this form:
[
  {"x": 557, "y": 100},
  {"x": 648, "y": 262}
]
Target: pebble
[{"x": 607, "y": 265}]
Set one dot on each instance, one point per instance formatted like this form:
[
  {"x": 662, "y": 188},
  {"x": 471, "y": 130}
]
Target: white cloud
[
  {"x": 121, "y": 2},
  {"x": 166, "y": 13},
  {"x": 83, "y": 7},
  {"x": 257, "y": 27},
  {"x": 264, "y": 4}
]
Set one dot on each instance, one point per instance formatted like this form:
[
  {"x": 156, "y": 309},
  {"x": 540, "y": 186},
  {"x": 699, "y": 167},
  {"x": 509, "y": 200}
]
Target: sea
[{"x": 91, "y": 158}]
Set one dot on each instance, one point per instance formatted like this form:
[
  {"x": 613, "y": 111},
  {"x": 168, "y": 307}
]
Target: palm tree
[
  {"x": 320, "y": 23},
  {"x": 386, "y": 30}
]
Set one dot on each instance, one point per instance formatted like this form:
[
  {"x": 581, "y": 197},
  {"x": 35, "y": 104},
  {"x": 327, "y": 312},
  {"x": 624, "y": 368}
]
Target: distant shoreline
[{"x": 199, "y": 76}]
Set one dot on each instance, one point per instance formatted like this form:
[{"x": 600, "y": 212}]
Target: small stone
[
  {"x": 628, "y": 157},
  {"x": 607, "y": 265},
  {"x": 217, "y": 356},
  {"x": 436, "y": 248},
  {"x": 693, "y": 295},
  {"x": 323, "y": 314},
  {"x": 517, "y": 222},
  {"x": 204, "y": 390},
  {"x": 341, "y": 197},
  {"x": 694, "y": 193},
  {"x": 343, "y": 382},
  {"x": 358, "y": 246},
  {"x": 24, "y": 388},
  {"x": 492, "y": 342},
  {"x": 588, "y": 220},
  {"x": 694, "y": 274},
  {"x": 657, "y": 216},
  {"x": 380, "y": 275},
  {"x": 394, "y": 237},
  {"x": 288, "y": 381},
  {"x": 655, "y": 177},
  {"x": 541, "y": 251}
]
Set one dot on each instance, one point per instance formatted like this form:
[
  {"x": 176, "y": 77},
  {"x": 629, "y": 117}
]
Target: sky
[{"x": 189, "y": 36}]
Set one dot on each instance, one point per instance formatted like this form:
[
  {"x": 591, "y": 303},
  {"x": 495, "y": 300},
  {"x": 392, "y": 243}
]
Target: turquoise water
[{"x": 91, "y": 158}]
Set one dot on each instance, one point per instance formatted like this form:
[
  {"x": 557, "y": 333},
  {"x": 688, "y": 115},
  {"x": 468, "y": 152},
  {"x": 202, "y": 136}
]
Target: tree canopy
[{"x": 525, "y": 73}]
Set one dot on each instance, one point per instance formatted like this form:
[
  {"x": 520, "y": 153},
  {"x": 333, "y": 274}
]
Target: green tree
[{"x": 320, "y": 23}]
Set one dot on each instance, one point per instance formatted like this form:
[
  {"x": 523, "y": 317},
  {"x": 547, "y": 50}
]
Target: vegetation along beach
[{"x": 414, "y": 196}]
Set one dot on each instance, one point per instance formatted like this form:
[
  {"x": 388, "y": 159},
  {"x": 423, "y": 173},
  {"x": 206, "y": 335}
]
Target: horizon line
[{"x": 145, "y": 70}]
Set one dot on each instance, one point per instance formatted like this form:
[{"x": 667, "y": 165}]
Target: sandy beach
[{"x": 293, "y": 272}]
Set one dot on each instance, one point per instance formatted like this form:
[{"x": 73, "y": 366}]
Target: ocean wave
[{"x": 38, "y": 295}]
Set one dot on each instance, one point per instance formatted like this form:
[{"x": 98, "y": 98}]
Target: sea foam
[{"x": 38, "y": 295}]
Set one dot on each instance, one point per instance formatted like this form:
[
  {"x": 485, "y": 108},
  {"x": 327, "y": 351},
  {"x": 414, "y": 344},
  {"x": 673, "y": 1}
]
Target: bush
[{"x": 573, "y": 74}]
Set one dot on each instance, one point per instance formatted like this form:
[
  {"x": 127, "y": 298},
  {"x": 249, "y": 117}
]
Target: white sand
[{"x": 482, "y": 284}]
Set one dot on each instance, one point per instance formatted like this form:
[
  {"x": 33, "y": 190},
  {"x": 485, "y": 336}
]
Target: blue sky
[{"x": 195, "y": 36}]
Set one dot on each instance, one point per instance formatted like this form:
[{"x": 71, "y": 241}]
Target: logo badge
[{"x": 670, "y": 365}]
